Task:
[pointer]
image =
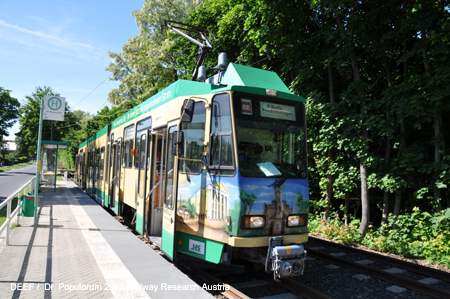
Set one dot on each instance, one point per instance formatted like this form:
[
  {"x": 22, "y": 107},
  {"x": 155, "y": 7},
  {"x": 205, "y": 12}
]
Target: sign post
[
  {"x": 36, "y": 185},
  {"x": 52, "y": 108}
]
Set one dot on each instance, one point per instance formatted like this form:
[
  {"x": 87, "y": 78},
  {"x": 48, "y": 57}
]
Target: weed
[{"x": 418, "y": 234}]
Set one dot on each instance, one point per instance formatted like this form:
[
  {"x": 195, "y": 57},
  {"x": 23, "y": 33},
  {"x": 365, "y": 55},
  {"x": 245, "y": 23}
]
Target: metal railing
[{"x": 28, "y": 187}]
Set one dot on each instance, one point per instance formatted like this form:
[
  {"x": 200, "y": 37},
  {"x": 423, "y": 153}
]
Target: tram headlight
[
  {"x": 253, "y": 222},
  {"x": 296, "y": 220}
]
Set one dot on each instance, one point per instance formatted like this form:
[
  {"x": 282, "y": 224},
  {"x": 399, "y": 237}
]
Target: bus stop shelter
[{"x": 48, "y": 161}]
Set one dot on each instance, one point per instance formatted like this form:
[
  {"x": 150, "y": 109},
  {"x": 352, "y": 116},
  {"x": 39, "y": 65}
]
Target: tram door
[
  {"x": 115, "y": 203},
  {"x": 83, "y": 171},
  {"x": 112, "y": 174},
  {"x": 153, "y": 213},
  {"x": 94, "y": 172},
  {"x": 142, "y": 155},
  {"x": 90, "y": 172},
  {"x": 170, "y": 204}
]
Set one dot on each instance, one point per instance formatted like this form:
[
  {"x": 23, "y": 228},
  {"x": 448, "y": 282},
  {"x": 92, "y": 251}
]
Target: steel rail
[
  {"x": 441, "y": 275},
  {"x": 287, "y": 283},
  {"x": 304, "y": 290},
  {"x": 383, "y": 275}
]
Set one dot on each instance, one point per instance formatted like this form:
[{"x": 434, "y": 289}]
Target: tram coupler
[{"x": 284, "y": 260}]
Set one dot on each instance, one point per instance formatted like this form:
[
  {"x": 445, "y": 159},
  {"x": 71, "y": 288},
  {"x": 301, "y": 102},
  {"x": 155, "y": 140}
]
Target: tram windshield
[{"x": 271, "y": 137}]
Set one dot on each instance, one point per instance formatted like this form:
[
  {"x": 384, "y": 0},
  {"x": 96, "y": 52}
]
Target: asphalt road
[{"x": 12, "y": 180}]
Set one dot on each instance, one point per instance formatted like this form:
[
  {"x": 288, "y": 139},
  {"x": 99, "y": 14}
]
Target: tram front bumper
[{"x": 284, "y": 260}]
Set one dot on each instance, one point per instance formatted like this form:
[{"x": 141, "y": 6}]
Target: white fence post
[
  {"x": 8, "y": 216},
  {"x": 7, "y": 204}
]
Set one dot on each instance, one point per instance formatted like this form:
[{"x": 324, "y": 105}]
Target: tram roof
[{"x": 237, "y": 78}]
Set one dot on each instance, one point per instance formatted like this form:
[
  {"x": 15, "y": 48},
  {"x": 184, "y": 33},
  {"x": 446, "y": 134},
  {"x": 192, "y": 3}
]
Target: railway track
[
  {"x": 416, "y": 268},
  {"x": 239, "y": 290},
  {"x": 300, "y": 290},
  {"x": 399, "y": 280}
]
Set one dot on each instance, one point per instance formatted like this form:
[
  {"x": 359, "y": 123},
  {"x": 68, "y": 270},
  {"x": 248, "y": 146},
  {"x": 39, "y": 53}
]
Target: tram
[{"x": 209, "y": 171}]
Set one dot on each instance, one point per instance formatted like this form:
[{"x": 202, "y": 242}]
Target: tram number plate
[{"x": 197, "y": 247}]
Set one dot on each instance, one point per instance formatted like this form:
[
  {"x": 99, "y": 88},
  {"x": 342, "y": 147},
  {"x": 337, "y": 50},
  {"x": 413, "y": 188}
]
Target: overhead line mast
[{"x": 204, "y": 48}]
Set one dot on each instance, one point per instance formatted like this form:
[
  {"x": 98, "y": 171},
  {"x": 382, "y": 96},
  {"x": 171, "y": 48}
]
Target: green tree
[
  {"x": 148, "y": 63},
  {"x": 376, "y": 75},
  {"x": 9, "y": 111},
  {"x": 29, "y": 121}
]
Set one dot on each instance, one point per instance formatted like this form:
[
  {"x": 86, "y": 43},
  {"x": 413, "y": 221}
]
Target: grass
[
  {"x": 17, "y": 166},
  {"x": 3, "y": 211}
]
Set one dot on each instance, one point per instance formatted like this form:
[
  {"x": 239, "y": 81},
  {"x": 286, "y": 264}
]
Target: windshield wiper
[{"x": 284, "y": 177}]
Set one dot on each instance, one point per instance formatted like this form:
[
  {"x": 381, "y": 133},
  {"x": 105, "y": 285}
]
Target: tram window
[
  {"x": 91, "y": 172},
  {"x": 221, "y": 155},
  {"x": 102, "y": 163},
  {"x": 110, "y": 158},
  {"x": 118, "y": 155},
  {"x": 141, "y": 125},
  {"x": 107, "y": 163},
  {"x": 142, "y": 164},
  {"x": 270, "y": 133},
  {"x": 168, "y": 201},
  {"x": 96, "y": 163},
  {"x": 194, "y": 134},
  {"x": 128, "y": 146},
  {"x": 137, "y": 149}
]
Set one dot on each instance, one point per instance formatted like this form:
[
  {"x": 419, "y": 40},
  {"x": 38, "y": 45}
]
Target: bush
[
  {"x": 418, "y": 235},
  {"x": 334, "y": 229}
]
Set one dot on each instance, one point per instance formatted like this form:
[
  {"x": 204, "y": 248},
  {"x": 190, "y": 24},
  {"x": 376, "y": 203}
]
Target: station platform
[{"x": 78, "y": 250}]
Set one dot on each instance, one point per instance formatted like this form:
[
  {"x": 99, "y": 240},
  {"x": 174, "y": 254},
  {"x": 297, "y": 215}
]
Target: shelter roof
[{"x": 54, "y": 144}]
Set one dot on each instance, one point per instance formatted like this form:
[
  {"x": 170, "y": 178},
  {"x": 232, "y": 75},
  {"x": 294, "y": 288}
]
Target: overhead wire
[{"x": 93, "y": 90}]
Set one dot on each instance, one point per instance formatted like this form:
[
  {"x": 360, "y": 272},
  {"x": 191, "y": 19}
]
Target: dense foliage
[
  {"x": 418, "y": 234},
  {"x": 376, "y": 75},
  {"x": 9, "y": 111}
]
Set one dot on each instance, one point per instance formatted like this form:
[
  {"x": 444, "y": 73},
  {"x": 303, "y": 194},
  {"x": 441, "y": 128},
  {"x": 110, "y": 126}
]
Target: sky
[{"x": 63, "y": 44}]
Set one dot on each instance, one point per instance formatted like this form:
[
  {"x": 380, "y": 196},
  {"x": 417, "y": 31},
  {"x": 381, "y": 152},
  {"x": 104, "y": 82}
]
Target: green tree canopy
[
  {"x": 376, "y": 75},
  {"x": 148, "y": 62},
  {"x": 29, "y": 121},
  {"x": 9, "y": 111}
]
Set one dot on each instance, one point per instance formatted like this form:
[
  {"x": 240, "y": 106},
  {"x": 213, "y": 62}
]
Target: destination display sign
[{"x": 277, "y": 111}]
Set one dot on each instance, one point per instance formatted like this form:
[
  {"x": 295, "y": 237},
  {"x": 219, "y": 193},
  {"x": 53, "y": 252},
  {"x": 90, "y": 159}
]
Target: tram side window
[
  {"x": 128, "y": 146},
  {"x": 194, "y": 134},
  {"x": 89, "y": 165},
  {"x": 109, "y": 159},
  {"x": 168, "y": 201},
  {"x": 221, "y": 155},
  {"x": 108, "y": 151},
  {"x": 141, "y": 125},
  {"x": 96, "y": 163},
  {"x": 83, "y": 165},
  {"x": 102, "y": 163}
]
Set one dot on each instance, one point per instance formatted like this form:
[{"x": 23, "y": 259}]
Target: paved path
[{"x": 79, "y": 251}]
